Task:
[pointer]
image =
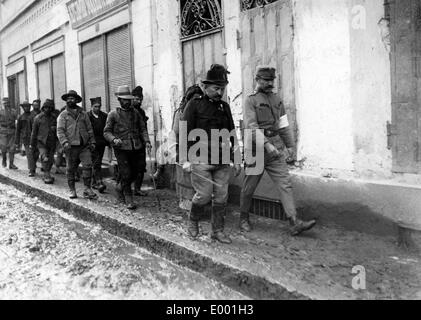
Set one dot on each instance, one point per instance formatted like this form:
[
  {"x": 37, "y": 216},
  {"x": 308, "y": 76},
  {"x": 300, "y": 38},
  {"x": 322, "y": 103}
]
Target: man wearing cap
[
  {"x": 264, "y": 111},
  {"x": 36, "y": 108},
  {"x": 137, "y": 104},
  {"x": 98, "y": 120},
  {"x": 209, "y": 113},
  {"x": 126, "y": 131},
  {"x": 74, "y": 131},
  {"x": 23, "y": 135},
  {"x": 44, "y": 138},
  {"x": 7, "y": 133}
]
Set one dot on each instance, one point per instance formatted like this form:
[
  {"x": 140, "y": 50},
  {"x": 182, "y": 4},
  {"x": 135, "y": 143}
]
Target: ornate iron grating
[
  {"x": 250, "y": 4},
  {"x": 200, "y": 16}
]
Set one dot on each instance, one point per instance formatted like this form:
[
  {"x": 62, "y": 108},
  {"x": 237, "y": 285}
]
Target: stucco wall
[{"x": 342, "y": 86}]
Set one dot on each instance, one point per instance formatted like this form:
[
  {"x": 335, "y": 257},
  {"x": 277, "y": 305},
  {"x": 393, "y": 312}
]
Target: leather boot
[
  {"x": 72, "y": 188},
  {"x": 138, "y": 185},
  {"x": 101, "y": 186},
  {"x": 4, "y": 162},
  {"x": 120, "y": 195},
  {"x": 193, "y": 222},
  {"x": 298, "y": 226},
  {"x": 48, "y": 179},
  {"x": 245, "y": 225},
  {"x": 11, "y": 160},
  {"x": 88, "y": 193},
  {"x": 130, "y": 204},
  {"x": 217, "y": 221}
]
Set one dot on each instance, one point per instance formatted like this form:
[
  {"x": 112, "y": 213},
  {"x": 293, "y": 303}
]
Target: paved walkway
[{"x": 266, "y": 263}]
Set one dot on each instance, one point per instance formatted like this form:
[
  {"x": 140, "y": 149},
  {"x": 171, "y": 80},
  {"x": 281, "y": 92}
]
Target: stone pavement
[{"x": 264, "y": 264}]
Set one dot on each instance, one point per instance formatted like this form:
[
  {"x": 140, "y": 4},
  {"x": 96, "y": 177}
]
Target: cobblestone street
[{"x": 46, "y": 254}]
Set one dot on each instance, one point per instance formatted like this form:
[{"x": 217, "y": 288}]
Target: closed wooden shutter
[
  {"x": 22, "y": 87},
  {"x": 44, "y": 83},
  {"x": 119, "y": 63},
  {"x": 59, "y": 80},
  {"x": 93, "y": 70}
]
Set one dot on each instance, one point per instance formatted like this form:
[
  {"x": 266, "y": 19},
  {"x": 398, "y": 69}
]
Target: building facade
[{"x": 348, "y": 73}]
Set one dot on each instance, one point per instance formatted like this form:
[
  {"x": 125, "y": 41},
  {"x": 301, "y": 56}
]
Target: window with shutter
[
  {"x": 22, "y": 87},
  {"x": 59, "y": 80},
  {"x": 93, "y": 70},
  {"x": 119, "y": 64},
  {"x": 44, "y": 83}
]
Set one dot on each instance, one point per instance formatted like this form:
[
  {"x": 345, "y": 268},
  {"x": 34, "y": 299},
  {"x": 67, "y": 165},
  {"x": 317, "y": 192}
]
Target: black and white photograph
[{"x": 210, "y": 154}]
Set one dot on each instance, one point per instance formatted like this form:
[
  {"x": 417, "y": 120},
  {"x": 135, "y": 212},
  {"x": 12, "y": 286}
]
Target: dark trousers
[
  {"x": 76, "y": 155},
  {"x": 32, "y": 156},
  {"x": 129, "y": 165},
  {"x": 141, "y": 175},
  {"x": 46, "y": 153},
  {"x": 97, "y": 156}
]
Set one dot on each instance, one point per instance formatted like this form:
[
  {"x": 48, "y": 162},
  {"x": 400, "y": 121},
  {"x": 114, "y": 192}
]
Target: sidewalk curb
[{"x": 252, "y": 285}]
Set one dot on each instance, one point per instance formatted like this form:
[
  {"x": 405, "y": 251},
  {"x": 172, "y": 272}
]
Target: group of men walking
[{"x": 83, "y": 137}]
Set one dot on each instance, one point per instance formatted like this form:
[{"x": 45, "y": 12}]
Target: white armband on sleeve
[{"x": 283, "y": 122}]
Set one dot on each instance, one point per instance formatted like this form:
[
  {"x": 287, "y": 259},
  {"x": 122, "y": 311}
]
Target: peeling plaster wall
[
  {"x": 370, "y": 90},
  {"x": 323, "y": 82},
  {"x": 343, "y": 86}
]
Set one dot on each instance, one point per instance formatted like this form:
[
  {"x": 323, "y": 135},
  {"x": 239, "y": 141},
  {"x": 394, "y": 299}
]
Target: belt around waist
[{"x": 271, "y": 133}]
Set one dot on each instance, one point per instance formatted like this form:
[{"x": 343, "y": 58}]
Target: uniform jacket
[
  {"x": 127, "y": 125},
  {"x": 203, "y": 113},
  {"x": 24, "y": 128},
  {"x": 266, "y": 111},
  {"x": 43, "y": 127},
  {"x": 98, "y": 125},
  {"x": 74, "y": 126},
  {"x": 7, "y": 122}
]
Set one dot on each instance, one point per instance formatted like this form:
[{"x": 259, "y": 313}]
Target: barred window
[
  {"x": 200, "y": 16},
  {"x": 250, "y": 4}
]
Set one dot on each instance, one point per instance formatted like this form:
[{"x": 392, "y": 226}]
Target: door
[
  {"x": 404, "y": 132},
  {"x": 267, "y": 39},
  {"x": 59, "y": 80},
  {"x": 44, "y": 81},
  {"x": 202, "y": 38}
]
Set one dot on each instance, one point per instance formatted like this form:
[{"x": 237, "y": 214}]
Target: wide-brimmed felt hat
[
  {"x": 72, "y": 93},
  {"x": 266, "y": 72},
  {"x": 5, "y": 99},
  {"x": 25, "y": 104},
  {"x": 96, "y": 101},
  {"x": 48, "y": 103},
  {"x": 138, "y": 92},
  {"x": 123, "y": 92},
  {"x": 217, "y": 74},
  {"x": 36, "y": 101}
]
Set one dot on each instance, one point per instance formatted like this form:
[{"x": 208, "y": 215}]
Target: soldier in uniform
[
  {"x": 137, "y": 104},
  {"x": 210, "y": 112},
  {"x": 74, "y": 131},
  {"x": 44, "y": 138},
  {"x": 23, "y": 135},
  {"x": 7, "y": 133},
  {"x": 264, "y": 110}
]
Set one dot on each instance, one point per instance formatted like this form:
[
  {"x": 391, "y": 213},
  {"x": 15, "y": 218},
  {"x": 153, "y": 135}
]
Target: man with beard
[
  {"x": 126, "y": 131},
  {"x": 137, "y": 104},
  {"x": 98, "y": 120},
  {"x": 44, "y": 138},
  {"x": 264, "y": 110},
  {"x": 209, "y": 113},
  {"x": 74, "y": 131},
  {"x": 7, "y": 134},
  {"x": 23, "y": 135}
]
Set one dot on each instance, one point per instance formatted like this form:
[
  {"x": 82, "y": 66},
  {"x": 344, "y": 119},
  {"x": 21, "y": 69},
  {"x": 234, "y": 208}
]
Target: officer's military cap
[{"x": 266, "y": 72}]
